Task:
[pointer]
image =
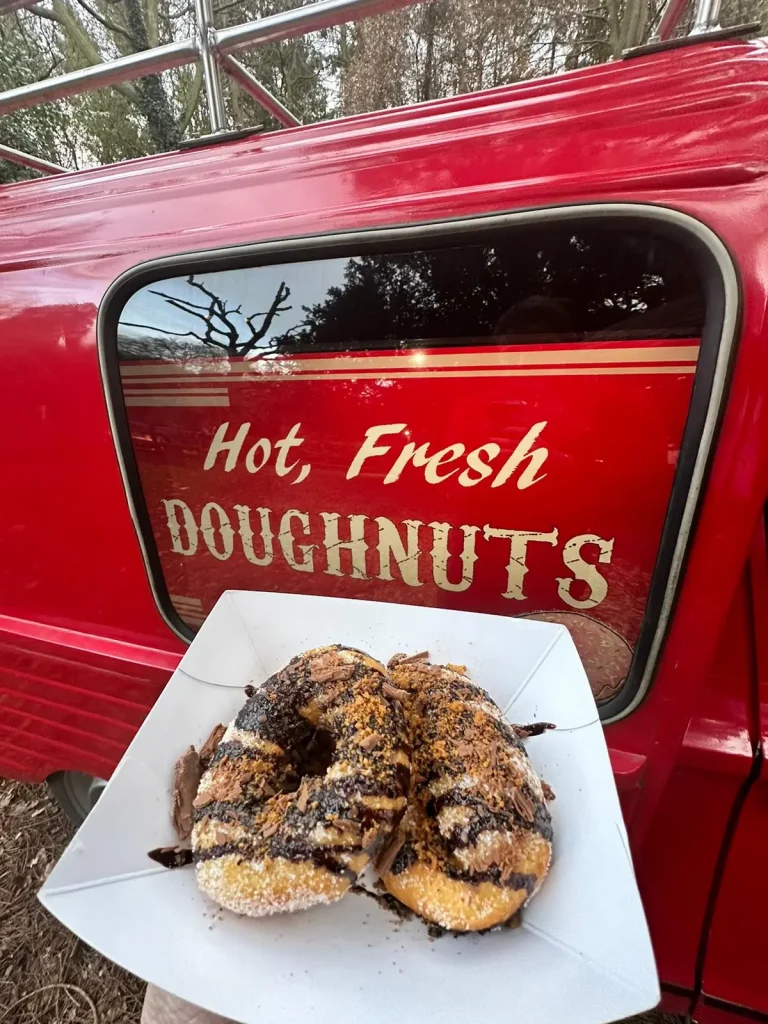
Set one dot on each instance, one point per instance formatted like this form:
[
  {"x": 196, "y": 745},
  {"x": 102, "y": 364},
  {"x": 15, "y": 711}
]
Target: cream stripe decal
[
  {"x": 150, "y": 400},
  {"x": 189, "y": 608},
  {"x": 290, "y": 378},
  {"x": 173, "y": 391},
  {"x": 421, "y": 360}
]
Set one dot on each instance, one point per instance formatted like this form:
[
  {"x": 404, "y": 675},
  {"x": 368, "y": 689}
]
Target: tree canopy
[{"x": 558, "y": 282}]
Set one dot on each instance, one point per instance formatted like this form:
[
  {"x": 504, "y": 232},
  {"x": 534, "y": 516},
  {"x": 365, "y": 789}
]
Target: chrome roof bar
[
  {"x": 27, "y": 160},
  {"x": 212, "y": 47}
]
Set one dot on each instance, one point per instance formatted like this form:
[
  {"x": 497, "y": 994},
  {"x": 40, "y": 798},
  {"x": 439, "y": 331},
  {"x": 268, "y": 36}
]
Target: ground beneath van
[{"x": 47, "y": 976}]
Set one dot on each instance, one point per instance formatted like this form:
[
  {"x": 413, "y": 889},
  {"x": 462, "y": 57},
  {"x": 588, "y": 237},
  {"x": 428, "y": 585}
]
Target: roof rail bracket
[
  {"x": 750, "y": 28},
  {"x": 225, "y": 136}
]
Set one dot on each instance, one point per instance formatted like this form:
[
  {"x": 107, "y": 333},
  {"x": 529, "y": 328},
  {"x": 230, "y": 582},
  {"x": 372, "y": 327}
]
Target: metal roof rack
[{"x": 214, "y": 48}]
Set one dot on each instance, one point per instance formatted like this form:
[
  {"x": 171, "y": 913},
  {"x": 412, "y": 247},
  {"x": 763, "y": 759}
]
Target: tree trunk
[
  {"x": 614, "y": 27},
  {"x": 634, "y": 23},
  {"x": 152, "y": 102},
  {"x": 427, "y": 85}
]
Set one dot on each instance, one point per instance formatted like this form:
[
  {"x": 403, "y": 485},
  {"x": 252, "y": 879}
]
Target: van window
[{"x": 493, "y": 425}]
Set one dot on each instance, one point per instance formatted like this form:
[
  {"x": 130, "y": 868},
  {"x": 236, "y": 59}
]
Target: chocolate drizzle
[
  {"x": 475, "y": 812},
  {"x": 408, "y": 856},
  {"x": 324, "y": 857},
  {"x": 487, "y": 820},
  {"x": 312, "y": 715}
]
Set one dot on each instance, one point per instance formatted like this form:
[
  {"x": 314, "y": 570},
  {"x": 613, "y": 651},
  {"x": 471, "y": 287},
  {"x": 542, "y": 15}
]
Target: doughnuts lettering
[{"x": 307, "y": 784}]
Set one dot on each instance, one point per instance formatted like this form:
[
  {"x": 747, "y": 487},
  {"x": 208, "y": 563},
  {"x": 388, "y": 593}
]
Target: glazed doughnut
[
  {"x": 306, "y": 785},
  {"x": 476, "y": 840}
]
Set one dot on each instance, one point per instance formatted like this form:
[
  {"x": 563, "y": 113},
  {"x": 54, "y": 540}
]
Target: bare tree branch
[
  {"x": 226, "y": 7},
  {"x": 82, "y": 42},
  {"x": 207, "y": 317},
  {"x": 42, "y": 12},
  {"x": 108, "y": 23},
  {"x": 219, "y": 310},
  {"x": 283, "y": 292},
  {"x": 163, "y": 330}
]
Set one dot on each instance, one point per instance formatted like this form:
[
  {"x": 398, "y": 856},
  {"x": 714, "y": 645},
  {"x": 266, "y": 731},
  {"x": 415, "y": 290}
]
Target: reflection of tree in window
[
  {"x": 531, "y": 286},
  {"x": 534, "y": 286},
  {"x": 217, "y": 323}
]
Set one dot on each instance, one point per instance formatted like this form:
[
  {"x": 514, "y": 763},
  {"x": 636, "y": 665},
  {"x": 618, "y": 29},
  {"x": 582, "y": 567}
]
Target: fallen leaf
[{"x": 41, "y": 855}]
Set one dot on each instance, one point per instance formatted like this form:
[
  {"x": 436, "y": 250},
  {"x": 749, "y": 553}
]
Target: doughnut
[
  {"x": 306, "y": 785},
  {"x": 476, "y": 840}
]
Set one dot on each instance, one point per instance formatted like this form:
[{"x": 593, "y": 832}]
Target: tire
[{"x": 75, "y": 793}]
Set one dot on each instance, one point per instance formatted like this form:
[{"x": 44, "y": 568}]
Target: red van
[{"x": 505, "y": 352}]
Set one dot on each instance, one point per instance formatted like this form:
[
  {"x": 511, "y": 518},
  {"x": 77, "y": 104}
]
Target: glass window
[
  {"x": 551, "y": 285},
  {"x": 493, "y": 426}
]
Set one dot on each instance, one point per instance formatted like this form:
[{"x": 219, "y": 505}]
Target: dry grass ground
[{"x": 47, "y": 976}]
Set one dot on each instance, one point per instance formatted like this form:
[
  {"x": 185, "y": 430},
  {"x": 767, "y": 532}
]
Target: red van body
[{"x": 84, "y": 648}]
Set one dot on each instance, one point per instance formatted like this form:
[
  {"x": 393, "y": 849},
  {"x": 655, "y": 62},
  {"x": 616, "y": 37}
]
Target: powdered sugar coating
[
  {"x": 245, "y": 888},
  {"x": 306, "y": 785},
  {"x": 476, "y": 839}
]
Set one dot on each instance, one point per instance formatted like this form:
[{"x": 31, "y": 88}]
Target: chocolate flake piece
[
  {"x": 249, "y": 690},
  {"x": 523, "y": 805},
  {"x": 493, "y": 754},
  {"x": 394, "y": 691},
  {"x": 186, "y": 779},
  {"x": 171, "y": 856},
  {"x": 386, "y": 858},
  {"x": 331, "y": 674},
  {"x": 406, "y": 659},
  {"x": 371, "y": 741},
  {"x": 421, "y": 656},
  {"x": 302, "y": 796},
  {"x": 534, "y": 729},
  {"x": 344, "y": 825},
  {"x": 269, "y": 830},
  {"x": 208, "y": 748},
  {"x": 371, "y": 839},
  {"x": 226, "y": 789},
  {"x": 549, "y": 793},
  {"x": 464, "y": 749}
]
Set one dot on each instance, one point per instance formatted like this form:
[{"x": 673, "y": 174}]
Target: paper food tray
[{"x": 582, "y": 955}]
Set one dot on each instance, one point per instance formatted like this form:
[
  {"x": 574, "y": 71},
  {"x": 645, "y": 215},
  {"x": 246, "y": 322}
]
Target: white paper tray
[{"x": 582, "y": 955}]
